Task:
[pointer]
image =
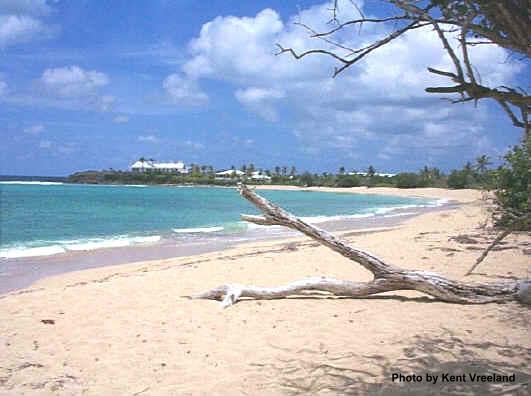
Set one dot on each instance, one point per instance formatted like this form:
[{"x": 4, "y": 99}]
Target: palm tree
[
  {"x": 277, "y": 170},
  {"x": 341, "y": 170},
  {"x": 426, "y": 173},
  {"x": 482, "y": 162},
  {"x": 468, "y": 168},
  {"x": 293, "y": 171},
  {"x": 371, "y": 171},
  {"x": 142, "y": 160},
  {"x": 250, "y": 169}
]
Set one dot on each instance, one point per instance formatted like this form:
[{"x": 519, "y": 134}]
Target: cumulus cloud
[
  {"x": 234, "y": 46},
  {"x": 74, "y": 87},
  {"x": 381, "y": 99},
  {"x": 19, "y": 28},
  {"x": 21, "y": 21},
  {"x": 436, "y": 140},
  {"x": 73, "y": 81},
  {"x": 121, "y": 119},
  {"x": 184, "y": 91}
]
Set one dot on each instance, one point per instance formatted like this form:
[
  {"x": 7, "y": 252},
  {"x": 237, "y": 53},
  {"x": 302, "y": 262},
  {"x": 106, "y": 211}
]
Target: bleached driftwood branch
[{"x": 387, "y": 277}]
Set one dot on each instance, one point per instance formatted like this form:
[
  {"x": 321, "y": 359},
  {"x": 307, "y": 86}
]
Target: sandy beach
[
  {"x": 462, "y": 196},
  {"x": 130, "y": 330}
]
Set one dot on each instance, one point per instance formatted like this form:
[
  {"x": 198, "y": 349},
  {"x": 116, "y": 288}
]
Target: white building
[
  {"x": 230, "y": 173},
  {"x": 376, "y": 174},
  {"x": 257, "y": 175},
  {"x": 163, "y": 167}
]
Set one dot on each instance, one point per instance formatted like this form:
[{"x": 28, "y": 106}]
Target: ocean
[{"x": 49, "y": 218}]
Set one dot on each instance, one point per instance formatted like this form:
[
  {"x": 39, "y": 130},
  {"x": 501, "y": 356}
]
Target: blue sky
[{"x": 97, "y": 84}]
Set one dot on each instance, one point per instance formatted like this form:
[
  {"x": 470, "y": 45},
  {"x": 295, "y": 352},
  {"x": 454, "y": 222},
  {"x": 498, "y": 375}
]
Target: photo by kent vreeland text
[{"x": 453, "y": 378}]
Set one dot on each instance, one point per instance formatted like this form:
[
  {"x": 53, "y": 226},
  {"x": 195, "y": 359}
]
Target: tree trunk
[{"x": 387, "y": 277}]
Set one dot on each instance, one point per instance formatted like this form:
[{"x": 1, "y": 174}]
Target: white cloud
[
  {"x": 73, "y": 86},
  {"x": 73, "y": 81},
  {"x": 19, "y": 28},
  {"x": 381, "y": 99},
  {"x": 21, "y": 21},
  {"x": 243, "y": 49},
  {"x": 184, "y": 91},
  {"x": 259, "y": 101},
  {"x": 148, "y": 138},
  {"x": 34, "y": 129},
  {"x": 237, "y": 46},
  {"x": 121, "y": 119}
]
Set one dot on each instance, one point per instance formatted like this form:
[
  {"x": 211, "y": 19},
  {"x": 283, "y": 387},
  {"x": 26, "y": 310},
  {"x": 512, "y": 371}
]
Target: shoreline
[{"x": 22, "y": 272}]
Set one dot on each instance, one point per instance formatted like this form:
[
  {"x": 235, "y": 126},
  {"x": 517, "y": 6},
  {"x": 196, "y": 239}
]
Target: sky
[{"x": 98, "y": 84}]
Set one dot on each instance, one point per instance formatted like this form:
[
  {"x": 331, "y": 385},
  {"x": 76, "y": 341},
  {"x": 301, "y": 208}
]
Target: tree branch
[
  {"x": 303, "y": 54},
  {"x": 387, "y": 277}
]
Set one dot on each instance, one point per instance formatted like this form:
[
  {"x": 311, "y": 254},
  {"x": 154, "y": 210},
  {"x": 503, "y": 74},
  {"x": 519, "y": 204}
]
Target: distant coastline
[
  {"x": 147, "y": 172},
  {"x": 200, "y": 176},
  {"x": 57, "y": 179}
]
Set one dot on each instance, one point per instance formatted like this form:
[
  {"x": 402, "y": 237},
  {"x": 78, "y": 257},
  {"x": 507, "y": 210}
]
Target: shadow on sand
[{"x": 319, "y": 373}]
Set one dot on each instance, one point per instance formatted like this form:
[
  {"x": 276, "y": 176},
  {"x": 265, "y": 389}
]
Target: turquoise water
[{"x": 43, "y": 219}]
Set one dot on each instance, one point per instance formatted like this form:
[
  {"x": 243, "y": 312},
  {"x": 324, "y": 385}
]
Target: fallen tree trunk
[{"x": 387, "y": 277}]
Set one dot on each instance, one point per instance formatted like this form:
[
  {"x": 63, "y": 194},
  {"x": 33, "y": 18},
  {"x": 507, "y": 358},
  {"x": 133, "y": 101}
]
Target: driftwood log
[{"x": 387, "y": 277}]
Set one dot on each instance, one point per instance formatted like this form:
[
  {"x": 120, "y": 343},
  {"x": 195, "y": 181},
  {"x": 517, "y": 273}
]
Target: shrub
[
  {"x": 458, "y": 179},
  {"x": 347, "y": 181},
  {"x": 513, "y": 184},
  {"x": 409, "y": 180},
  {"x": 306, "y": 179}
]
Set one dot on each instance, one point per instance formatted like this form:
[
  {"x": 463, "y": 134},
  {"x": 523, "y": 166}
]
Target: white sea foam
[
  {"x": 322, "y": 219},
  {"x": 401, "y": 214},
  {"x": 42, "y": 183},
  {"x": 197, "y": 230},
  {"x": 441, "y": 202},
  {"x": 20, "y": 252},
  {"x": 371, "y": 213},
  {"x": 122, "y": 241},
  {"x": 76, "y": 245}
]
